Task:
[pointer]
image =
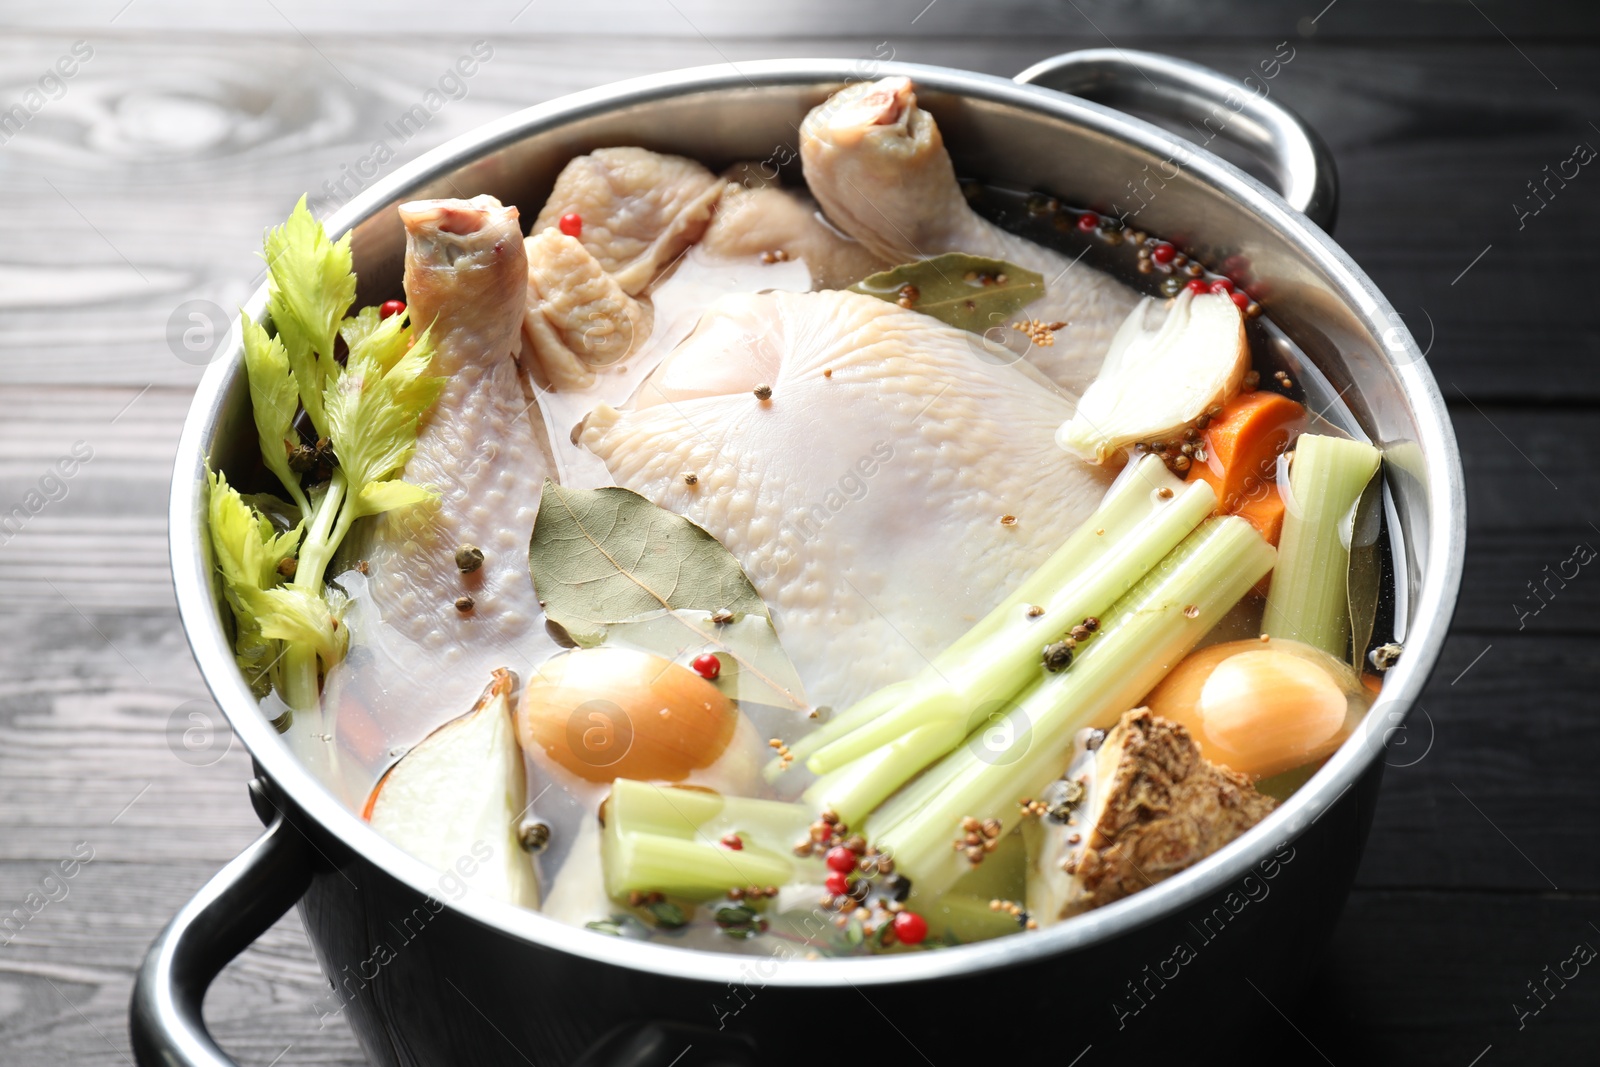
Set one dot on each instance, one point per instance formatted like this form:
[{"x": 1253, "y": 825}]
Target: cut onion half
[{"x": 1169, "y": 363}]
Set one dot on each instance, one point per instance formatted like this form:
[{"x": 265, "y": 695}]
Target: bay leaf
[
  {"x": 1366, "y": 570},
  {"x": 608, "y": 560},
  {"x": 961, "y": 290}
]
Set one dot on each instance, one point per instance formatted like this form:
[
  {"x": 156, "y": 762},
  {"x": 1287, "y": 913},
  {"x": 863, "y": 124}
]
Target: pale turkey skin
[
  {"x": 877, "y": 164},
  {"x": 865, "y": 498},
  {"x": 466, "y": 274}
]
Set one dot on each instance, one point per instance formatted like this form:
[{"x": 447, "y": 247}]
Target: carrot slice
[
  {"x": 1242, "y": 447},
  {"x": 1266, "y": 515}
]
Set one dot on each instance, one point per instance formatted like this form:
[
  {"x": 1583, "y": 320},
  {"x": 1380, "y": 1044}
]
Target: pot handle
[
  {"x": 237, "y": 906},
  {"x": 1189, "y": 92}
]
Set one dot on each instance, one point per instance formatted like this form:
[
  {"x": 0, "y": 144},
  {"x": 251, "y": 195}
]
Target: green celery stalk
[
  {"x": 300, "y": 678},
  {"x": 1005, "y": 658},
  {"x": 667, "y": 840},
  {"x": 1143, "y": 636},
  {"x": 1132, "y": 499},
  {"x": 926, "y": 787},
  {"x": 859, "y": 786},
  {"x": 950, "y": 698},
  {"x": 1131, "y": 502},
  {"x": 960, "y": 919},
  {"x": 854, "y": 717},
  {"x": 1309, "y": 598}
]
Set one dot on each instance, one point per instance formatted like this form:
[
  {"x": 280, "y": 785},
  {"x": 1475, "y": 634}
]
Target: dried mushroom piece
[{"x": 1154, "y": 807}]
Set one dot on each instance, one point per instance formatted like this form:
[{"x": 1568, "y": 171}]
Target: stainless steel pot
[{"x": 426, "y": 976}]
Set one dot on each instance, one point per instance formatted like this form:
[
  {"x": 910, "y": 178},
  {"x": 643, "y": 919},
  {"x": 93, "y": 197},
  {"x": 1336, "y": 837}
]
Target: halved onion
[
  {"x": 1262, "y": 707},
  {"x": 454, "y": 800},
  {"x": 1169, "y": 363},
  {"x": 606, "y": 713}
]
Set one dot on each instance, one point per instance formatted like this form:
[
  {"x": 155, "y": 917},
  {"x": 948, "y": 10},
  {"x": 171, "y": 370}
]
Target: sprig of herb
[
  {"x": 275, "y": 400},
  {"x": 312, "y": 286},
  {"x": 248, "y": 552},
  {"x": 368, "y": 409}
]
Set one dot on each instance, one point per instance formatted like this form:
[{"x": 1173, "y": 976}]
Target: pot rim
[{"x": 1430, "y": 616}]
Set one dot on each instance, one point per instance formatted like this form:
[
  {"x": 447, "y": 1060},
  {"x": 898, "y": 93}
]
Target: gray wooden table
[{"x": 145, "y": 179}]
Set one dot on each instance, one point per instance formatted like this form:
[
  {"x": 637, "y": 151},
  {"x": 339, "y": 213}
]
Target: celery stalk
[
  {"x": 953, "y": 697},
  {"x": 667, "y": 840},
  {"x": 1309, "y": 599},
  {"x": 1134, "y": 497},
  {"x": 960, "y": 919},
  {"x": 920, "y": 791},
  {"x": 1141, "y": 638},
  {"x": 301, "y": 689},
  {"x": 1132, "y": 500},
  {"x": 862, "y": 784},
  {"x": 854, "y": 717},
  {"x": 1006, "y": 657}
]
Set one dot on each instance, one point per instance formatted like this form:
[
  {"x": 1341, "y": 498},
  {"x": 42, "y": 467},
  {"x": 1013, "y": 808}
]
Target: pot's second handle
[
  {"x": 238, "y": 905},
  {"x": 1214, "y": 105}
]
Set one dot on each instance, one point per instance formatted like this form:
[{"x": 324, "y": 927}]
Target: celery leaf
[
  {"x": 248, "y": 551},
  {"x": 312, "y": 287},
  {"x": 300, "y": 616},
  {"x": 374, "y": 408},
  {"x": 275, "y": 400},
  {"x": 384, "y": 339}
]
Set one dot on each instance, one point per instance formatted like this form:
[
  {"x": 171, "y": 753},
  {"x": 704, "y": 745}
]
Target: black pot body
[{"x": 423, "y": 985}]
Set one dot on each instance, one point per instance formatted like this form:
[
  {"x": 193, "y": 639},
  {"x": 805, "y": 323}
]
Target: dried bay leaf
[
  {"x": 961, "y": 290},
  {"x": 609, "y": 561},
  {"x": 607, "y": 555},
  {"x": 1366, "y": 570}
]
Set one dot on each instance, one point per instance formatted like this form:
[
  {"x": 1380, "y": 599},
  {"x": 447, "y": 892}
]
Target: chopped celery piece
[
  {"x": 1001, "y": 876},
  {"x": 1143, "y": 518},
  {"x": 1140, "y": 639},
  {"x": 668, "y": 840},
  {"x": 1309, "y": 598},
  {"x": 962, "y": 914},
  {"x": 960, "y": 919}
]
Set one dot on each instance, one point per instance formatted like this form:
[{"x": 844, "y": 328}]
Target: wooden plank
[
  {"x": 1531, "y": 582},
  {"x": 1423, "y": 192},
  {"x": 910, "y": 18},
  {"x": 66, "y": 978},
  {"x": 1438, "y": 978},
  {"x": 1494, "y": 772},
  {"x": 1529, "y": 468}
]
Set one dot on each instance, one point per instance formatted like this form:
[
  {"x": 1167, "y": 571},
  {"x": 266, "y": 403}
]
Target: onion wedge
[
  {"x": 1169, "y": 363},
  {"x": 454, "y": 800}
]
